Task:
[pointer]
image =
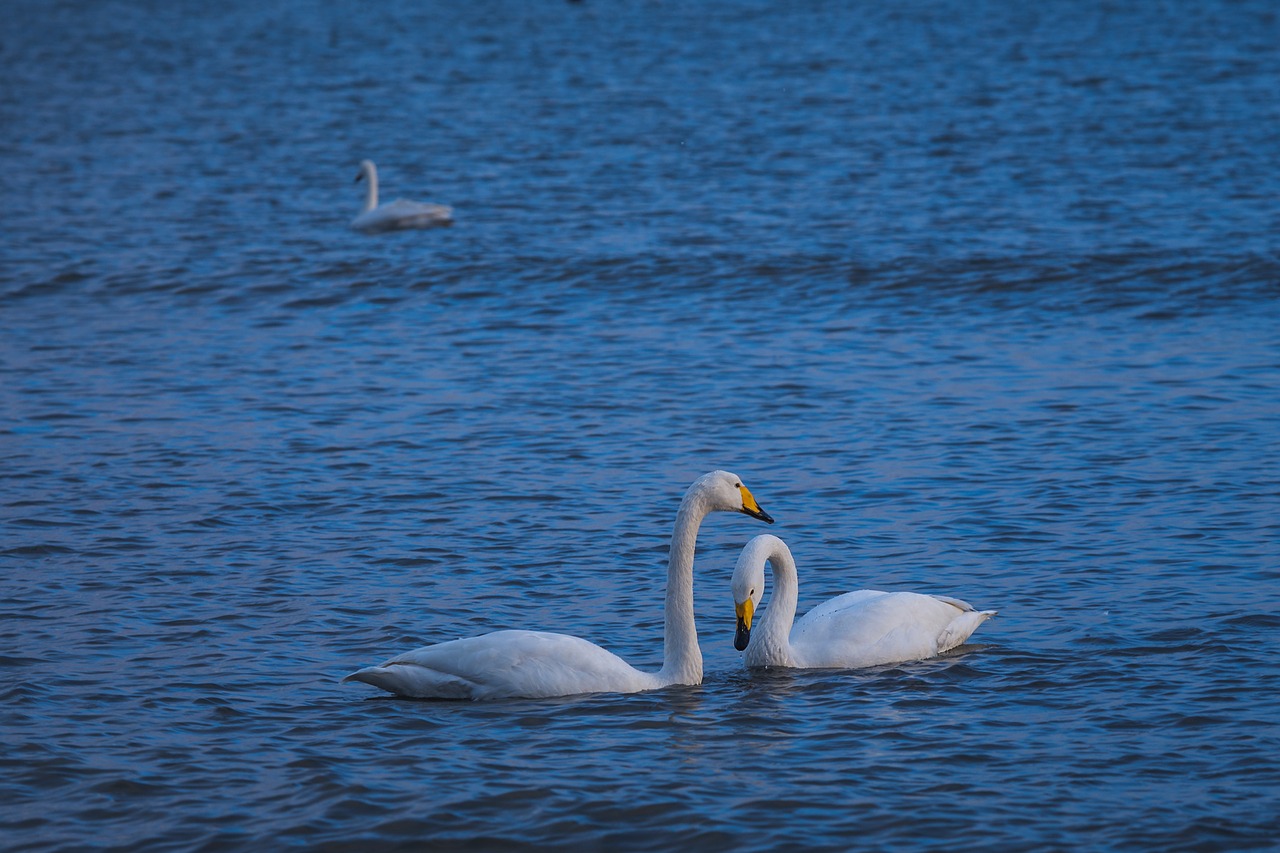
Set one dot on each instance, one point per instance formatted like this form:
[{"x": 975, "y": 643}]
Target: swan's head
[
  {"x": 367, "y": 170},
  {"x": 721, "y": 490},
  {"x": 748, "y": 584}
]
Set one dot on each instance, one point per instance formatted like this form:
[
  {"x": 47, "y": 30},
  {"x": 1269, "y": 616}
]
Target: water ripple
[{"x": 980, "y": 304}]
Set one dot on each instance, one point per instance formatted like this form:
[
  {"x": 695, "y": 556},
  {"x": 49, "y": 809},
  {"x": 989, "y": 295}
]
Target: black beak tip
[{"x": 741, "y": 637}]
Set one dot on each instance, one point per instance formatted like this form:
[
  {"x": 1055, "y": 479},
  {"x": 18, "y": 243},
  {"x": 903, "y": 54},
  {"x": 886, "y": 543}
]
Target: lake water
[{"x": 979, "y": 299}]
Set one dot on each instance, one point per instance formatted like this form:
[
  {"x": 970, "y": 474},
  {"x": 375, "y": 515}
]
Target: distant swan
[
  {"x": 533, "y": 664},
  {"x": 395, "y": 215},
  {"x": 857, "y": 629}
]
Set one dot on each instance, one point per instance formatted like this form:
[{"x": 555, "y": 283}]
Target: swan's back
[
  {"x": 507, "y": 664},
  {"x": 403, "y": 215},
  {"x": 870, "y": 627}
]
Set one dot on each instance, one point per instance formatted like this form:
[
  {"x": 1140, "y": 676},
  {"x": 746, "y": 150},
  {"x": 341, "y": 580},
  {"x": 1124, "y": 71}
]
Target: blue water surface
[{"x": 979, "y": 299}]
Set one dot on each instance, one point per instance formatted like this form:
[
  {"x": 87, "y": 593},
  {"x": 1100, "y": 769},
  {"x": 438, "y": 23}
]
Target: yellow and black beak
[
  {"x": 743, "y": 635},
  {"x": 751, "y": 508}
]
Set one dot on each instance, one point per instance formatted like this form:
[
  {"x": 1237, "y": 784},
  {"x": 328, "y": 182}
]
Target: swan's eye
[{"x": 737, "y": 486}]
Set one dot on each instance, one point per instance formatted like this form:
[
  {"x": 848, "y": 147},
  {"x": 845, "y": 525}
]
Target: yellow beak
[
  {"x": 742, "y": 636},
  {"x": 751, "y": 508}
]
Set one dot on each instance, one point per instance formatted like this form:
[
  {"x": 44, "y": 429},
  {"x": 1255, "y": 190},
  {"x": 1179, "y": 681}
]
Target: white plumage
[
  {"x": 398, "y": 215},
  {"x": 857, "y": 629},
  {"x": 535, "y": 664}
]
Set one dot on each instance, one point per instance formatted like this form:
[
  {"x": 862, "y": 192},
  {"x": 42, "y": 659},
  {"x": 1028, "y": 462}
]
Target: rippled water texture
[{"x": 979, "y": 299}]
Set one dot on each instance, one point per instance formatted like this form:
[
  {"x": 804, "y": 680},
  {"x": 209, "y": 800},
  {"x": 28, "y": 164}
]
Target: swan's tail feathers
[
  {"x": 955, "y": 602},
  {"x": 418, "y": 682},
  {"x": 962, "y": 627}
]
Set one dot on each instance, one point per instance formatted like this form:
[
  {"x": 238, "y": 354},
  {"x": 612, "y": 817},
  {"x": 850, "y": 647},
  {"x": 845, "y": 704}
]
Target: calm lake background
[{"x": 978, "y": 298}]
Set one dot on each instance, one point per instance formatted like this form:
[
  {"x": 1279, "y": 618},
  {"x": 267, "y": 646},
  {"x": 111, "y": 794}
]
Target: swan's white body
[
  {"x": 857, "y": 629},
  {"x": 398, "y": 215},
  {"x": 534, "y": 664}
]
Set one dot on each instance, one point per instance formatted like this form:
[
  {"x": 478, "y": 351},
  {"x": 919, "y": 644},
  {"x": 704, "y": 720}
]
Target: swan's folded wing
[
  {"x": 847, "y": 601},
  {"x": 402, "y": 215},
  {"x": 874, "y": 628}
]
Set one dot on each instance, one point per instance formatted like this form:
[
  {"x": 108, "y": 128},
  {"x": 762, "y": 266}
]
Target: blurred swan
[
  {"x": 534, "y": 664},
  {"x": 857, "y": 629},
  {"x": 395, "y": 215}
]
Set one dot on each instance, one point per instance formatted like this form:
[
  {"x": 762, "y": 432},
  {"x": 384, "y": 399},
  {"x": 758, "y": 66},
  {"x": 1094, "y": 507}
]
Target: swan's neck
[
  {"x": 681, "y": 657},
  {"x": 371, "y": 188},
  {"x": 775, "y": 625}
]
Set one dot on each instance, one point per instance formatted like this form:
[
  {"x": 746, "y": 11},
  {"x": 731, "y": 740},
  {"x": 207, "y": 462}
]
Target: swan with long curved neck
[
  {"x": 863, "y": 628},
  {"x": 535, "y": 664},
  {"x": 398, "y": 215}
]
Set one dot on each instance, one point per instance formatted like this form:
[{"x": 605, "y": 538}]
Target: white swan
[
  {"x": 395, "y": 215},
  {"x": 863, "y": 628},
  {"x": 534, "y": 664}
]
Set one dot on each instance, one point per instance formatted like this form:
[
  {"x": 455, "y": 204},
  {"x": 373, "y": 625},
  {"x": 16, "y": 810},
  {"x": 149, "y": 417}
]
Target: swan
[
  {"x": 536, "y": 665},
  {"x": 863, "y": 628},
  {"x": 395, "y": 215}
]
